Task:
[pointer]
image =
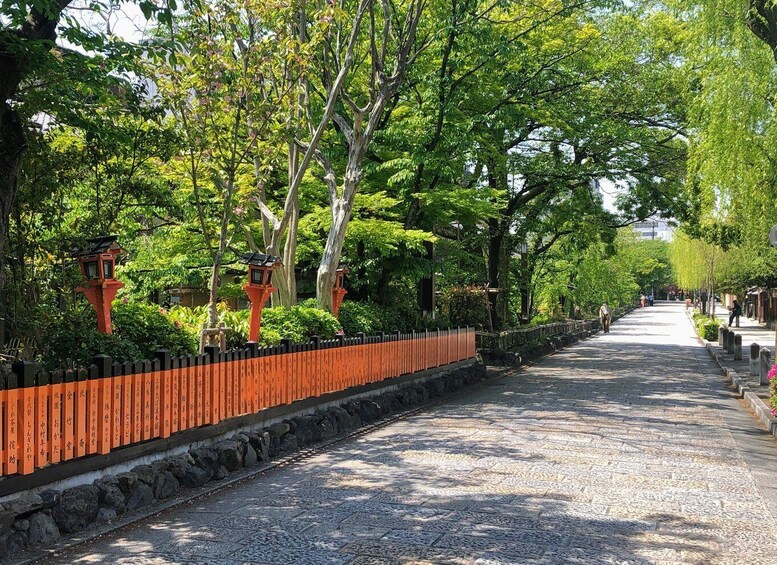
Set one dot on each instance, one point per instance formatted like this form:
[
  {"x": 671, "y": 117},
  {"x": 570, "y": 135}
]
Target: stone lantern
[
  {"x": 98, "y": 269},
  {"x": 259, "y": 287},
  {"x": 338, "y": 290}
]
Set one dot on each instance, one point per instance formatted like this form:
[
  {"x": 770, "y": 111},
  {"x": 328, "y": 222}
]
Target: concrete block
[
  {"x": 720, "y": 336},
  {"x": 730, "y": 341},
  {"x": 737, "y": 348},
  {"x": 765, "y": 359},
  {"x": 754, "y": 359}
]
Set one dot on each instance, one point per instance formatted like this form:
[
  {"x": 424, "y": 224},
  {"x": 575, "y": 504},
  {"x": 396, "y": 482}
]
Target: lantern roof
[
  {"x": 97, "y": 245},
  {"x": 342, "y": 269},
  {"x": 258, "y": 259}
]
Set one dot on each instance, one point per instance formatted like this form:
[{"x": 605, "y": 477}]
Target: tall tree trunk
[
  {"x": 218, "y": 256},
  {"x": 12, "y": 145},
  {"x": 496, "y": 238},
  {"x": 330, "y": 260},
  {"x": 37, "y": 27}
]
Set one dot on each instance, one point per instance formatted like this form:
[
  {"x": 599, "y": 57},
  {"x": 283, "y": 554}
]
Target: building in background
[{"x": 653, "y": 229}]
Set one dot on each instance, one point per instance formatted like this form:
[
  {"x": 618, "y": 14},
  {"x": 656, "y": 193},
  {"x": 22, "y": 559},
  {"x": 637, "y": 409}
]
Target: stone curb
[{"x": 762, "y": 412}]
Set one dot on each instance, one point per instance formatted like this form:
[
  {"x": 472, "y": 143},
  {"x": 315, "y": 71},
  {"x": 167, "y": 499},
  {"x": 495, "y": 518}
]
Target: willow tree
[
  {"x": 732, "y": 164},
  {"x": 695, "y": 262}
]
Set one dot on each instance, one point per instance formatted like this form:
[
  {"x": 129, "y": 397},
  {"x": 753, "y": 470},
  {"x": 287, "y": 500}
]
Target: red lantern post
[
  {"x": 98, "y": 268},
  {"x": 338, "y": 291},
  {"x": 258, "y": 288}
]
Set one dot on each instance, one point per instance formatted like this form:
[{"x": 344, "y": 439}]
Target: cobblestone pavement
[{"x": 624, "y": 448}]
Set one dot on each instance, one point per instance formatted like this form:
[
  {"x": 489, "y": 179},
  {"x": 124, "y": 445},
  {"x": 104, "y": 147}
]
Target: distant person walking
[
  {"x": 642, "y": 300},
  {"x": 605, "y": 316},
  {"x": 736, "y": 312},
  {"x": 650, "y": 299}
]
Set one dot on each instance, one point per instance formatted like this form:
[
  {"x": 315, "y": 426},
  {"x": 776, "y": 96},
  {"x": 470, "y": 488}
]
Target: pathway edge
[{"x": 762, "y": 412}]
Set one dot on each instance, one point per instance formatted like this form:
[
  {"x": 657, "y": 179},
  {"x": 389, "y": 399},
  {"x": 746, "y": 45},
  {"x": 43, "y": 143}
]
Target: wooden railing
[{"x": 54, "y": 416}]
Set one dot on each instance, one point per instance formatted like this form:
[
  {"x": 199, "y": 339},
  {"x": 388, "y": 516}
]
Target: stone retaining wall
[{"x": 41, "y": 519}]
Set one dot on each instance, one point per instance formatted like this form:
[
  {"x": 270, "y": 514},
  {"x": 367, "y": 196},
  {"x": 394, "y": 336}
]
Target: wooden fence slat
[
  {"x": 93, "y": 408},
  {"x": 55, "y": 409},
  {"x": 69, "y": 422},
  {"x": 42, "y": 418}
]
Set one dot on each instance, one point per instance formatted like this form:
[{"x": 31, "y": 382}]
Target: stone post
[
  {"x": 754, "y": 359},
  {"x": 737, "y": 348},
  {"x": 730, "y": 341},
  {"x": 724, "y": 345},
  {"x": 721, "y": 341},
  {"x": 766, "y": 365}
]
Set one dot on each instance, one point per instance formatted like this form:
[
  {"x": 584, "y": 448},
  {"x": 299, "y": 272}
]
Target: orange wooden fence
[{"x": 49, "y": 417}]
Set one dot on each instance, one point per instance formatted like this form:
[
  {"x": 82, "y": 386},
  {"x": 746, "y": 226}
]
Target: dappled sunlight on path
[{"x": 615, "y": 450}]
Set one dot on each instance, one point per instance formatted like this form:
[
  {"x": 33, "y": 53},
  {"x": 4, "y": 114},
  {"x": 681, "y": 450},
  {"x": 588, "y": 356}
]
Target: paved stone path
[{"x": 624, "y": 448}]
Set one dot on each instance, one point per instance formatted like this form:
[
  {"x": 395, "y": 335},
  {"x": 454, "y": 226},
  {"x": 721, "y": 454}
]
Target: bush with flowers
[{"x": 773, "y": 388}]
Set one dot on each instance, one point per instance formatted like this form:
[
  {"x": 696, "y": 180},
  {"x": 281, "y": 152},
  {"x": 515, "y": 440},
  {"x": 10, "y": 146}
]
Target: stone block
[
  {"x": 229, "y": 454},
  {"x": 77, "y": 508},
  {"x": 765, "y": 358},
  {"x": 165, "y": 485},
  {"x": 755, "y": 363},
  {"x": 737, "y": 348},
  {"x": 24, "y": 505},
  {"x": 143, "y": 495},
  {"x": 43, "y": 530}
]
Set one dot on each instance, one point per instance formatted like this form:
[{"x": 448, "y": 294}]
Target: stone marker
[
  {"x": 721, "y": 335},
  {"x": 730, "y": 337},
  {"x": 737, "y": 348},
  {"x": 724, "y": 345},
  {"x": 766, "y": 365},
  {"x": 754, "y": 359}
]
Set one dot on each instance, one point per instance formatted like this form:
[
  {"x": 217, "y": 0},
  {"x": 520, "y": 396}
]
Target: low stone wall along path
[{"x": 624, "y": 448}]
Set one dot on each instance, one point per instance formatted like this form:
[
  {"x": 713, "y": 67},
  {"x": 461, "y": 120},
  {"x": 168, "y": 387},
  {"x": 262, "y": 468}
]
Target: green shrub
[
  {"x": 466, "y": 306},
  {"x": 297, "y": 324},
  {"x": 708, "y": 328},
  {"x": 71, "y": 340},
  {"x": 149, "y": 328},
  {"x": 300, "y": 323},
  {"x": 371, "y": 318}
]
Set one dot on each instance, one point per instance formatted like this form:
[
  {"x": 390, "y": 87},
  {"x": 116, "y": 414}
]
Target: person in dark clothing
[{"x": 736, "y": 312}]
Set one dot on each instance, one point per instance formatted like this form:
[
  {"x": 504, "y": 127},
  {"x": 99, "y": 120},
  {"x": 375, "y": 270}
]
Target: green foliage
[
  {"x": 298, "y": 323},
  {"x": 708, "y": 328},
  {"x": 149, "y": 328},
  {"x": 466, "y": 306},
  {"x": 371, "y": 318},
  {"x": 71, "y": 340}
]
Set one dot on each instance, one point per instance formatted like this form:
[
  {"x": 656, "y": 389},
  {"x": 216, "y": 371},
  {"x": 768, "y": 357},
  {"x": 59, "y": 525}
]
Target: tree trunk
[
  {"x": 213, "y": 288},
  {"x": 330, "y": 260},
  {"x": 526, "y": 276},
  {"x": 37, "y": 27},
  {"x": 495, "y": 246},
  {"x": 12, "y": 145}
]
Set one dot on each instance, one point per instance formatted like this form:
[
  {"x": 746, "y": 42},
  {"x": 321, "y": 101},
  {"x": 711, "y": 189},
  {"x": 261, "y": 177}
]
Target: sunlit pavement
[{"x": 624, "y": 448}]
